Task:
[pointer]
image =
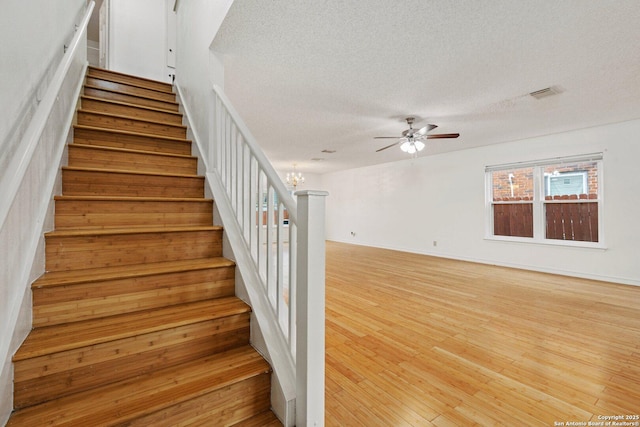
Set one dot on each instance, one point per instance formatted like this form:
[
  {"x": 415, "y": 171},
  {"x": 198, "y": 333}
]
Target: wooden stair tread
[
  {"x": 137, "y": 95},
  {"x": 126, "y": 132},
  {"x": 130, "y": 172},
  {"x": 138, "y": 119},
  {"x": 129, "y": 104},
  {"x": 131, "y": 199},
  {"x": 128, "y": 150},
  {"x": 57, "y": 338},
  {"x": 264, "y": 419},
  {"x": 116, "y": 75},
  {"x": 128, "y": 230},
  {"x": 72, "y": 277},
  {"x": 146, "y": 394},
  {"x": 138, "y": 99}
]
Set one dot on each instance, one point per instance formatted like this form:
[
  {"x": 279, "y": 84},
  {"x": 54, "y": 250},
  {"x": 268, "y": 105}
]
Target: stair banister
[
  {"x": 232, "y": 145},
  {"x": 256, "y": 151},
  {"x": 281, "y": 262}
]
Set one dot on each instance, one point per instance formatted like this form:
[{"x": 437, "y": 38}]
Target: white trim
[
  {"x": 591, "y": 157},
  {"x": 570, "y": 273},
  {"x": 550, "y": 242},
  {"x": 538, "y": 207}
]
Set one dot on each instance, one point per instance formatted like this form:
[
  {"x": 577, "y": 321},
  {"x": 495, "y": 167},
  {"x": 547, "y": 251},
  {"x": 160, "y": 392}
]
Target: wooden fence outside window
[
  {"x": 572, "y": 217},
  {"x": 572, "y": 220}
]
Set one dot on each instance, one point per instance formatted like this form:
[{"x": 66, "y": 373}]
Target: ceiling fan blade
[
  {"x": 424, "y": 130},
  {"x": 443, "y": 135},
  {"x": 388, "y": 146},
  {"x": 386, "y": 137}
]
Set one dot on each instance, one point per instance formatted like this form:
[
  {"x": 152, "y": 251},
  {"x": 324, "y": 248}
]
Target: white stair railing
[
  {"x": 263, "y": 207},
  {"x": 279, "y": 248}
]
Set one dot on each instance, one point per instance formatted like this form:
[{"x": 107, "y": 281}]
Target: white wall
[
  {"x": 35, "y": 33},
  {"x": 138, "y": 38},
  {"x": 407, "y": 205},
  {"x": 197, "y": 68},
  {"x": 93, "y": 53}
]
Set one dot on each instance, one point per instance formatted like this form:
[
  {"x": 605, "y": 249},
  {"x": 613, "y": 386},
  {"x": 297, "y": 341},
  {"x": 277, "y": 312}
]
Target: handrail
[
  {"x": 16, "y": 169},
  {"x": 278, "y": 245}
]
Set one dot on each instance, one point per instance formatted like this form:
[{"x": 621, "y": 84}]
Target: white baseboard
[{"x": 582, "y": 275}]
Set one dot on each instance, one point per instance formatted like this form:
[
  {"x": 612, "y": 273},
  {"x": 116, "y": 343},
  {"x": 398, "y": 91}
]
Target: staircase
[{"x": 135, "y": 321}]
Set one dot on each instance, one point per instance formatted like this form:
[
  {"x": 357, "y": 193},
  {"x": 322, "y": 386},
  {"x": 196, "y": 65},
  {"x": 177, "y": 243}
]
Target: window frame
[{"x": 539, "y": 201}]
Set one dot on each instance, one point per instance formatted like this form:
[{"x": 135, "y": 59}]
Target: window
[
  {"x": 513, "y": 202},
  {"x": 555, "y": 200}
]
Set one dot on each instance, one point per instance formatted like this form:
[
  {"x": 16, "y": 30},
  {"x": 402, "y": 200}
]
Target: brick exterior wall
[{"x": 522, "y": 181}]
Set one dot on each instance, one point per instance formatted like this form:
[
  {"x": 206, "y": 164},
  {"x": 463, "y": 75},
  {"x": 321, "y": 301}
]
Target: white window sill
[{"x": 549, "y": 242}]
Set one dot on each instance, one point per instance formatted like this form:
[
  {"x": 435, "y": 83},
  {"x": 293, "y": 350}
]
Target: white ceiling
[{"x": 332, "y": 74}]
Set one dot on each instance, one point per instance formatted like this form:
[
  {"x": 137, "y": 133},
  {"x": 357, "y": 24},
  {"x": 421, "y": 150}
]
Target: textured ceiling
[{"x": 332, "y": 74}]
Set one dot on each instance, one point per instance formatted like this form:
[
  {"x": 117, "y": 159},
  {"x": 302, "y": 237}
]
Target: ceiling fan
[{"x": 412, "y": 140}]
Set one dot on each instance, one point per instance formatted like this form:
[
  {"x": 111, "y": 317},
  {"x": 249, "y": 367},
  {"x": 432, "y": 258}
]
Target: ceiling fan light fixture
[
  {"x": 406, "y": 146},
  {"x": 413, "y": 140},
  {"x": 412, "y": 146}
]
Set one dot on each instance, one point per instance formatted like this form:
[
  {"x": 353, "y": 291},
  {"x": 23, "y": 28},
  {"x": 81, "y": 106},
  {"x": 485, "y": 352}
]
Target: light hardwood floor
[{"x": 414, "y": 340}]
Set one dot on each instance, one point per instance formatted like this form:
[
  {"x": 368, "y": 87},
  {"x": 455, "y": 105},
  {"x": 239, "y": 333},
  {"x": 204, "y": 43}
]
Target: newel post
[{"x": 310, "y": 304}]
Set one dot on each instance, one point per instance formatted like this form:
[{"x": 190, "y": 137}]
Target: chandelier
[{"x": 295, "y": 178}]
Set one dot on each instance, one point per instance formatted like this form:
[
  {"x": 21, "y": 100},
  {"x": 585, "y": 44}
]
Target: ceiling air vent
[{"x": 543, "y": 93}]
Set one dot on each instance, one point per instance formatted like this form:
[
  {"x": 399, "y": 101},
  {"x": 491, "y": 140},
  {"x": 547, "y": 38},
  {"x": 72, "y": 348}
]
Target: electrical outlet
[
  {"x": 353, "y": 234},
  {"x": 435, "y": 243}
]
